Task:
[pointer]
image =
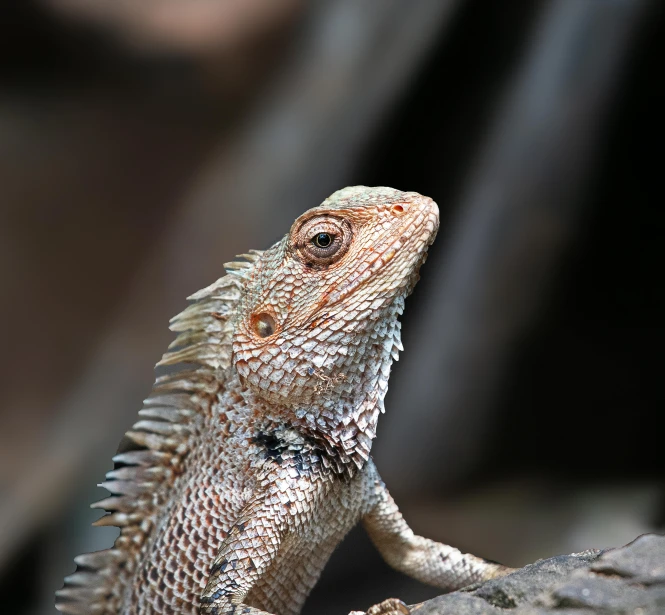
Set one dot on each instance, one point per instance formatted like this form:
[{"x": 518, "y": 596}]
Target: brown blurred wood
[
  {"x": 298, "y": 147},
  {"x": 518, "y": 214},
  {"x": 195, "y": 26}
]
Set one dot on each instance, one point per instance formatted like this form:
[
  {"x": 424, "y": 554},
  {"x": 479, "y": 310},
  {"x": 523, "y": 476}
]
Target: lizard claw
[{"x": 391, "y": 606}]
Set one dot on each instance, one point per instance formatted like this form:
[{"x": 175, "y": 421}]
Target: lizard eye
[{"x": 322, "y": 240}]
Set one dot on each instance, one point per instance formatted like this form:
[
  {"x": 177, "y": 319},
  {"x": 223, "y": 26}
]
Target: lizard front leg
[
  {"x": 248, "y": 550},
  {"x": 428, "y": 561},
  {"x": 290, "y": 487}
]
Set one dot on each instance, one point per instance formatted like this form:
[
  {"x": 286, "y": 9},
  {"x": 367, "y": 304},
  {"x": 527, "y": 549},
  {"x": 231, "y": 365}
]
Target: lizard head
[{"x": 318, "y": 322}]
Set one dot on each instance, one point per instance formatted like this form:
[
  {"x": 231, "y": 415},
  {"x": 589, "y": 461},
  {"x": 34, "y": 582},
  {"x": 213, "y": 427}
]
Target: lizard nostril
[
  {"x": 263, "y": 324},
  {"x": 397, "y": 209}
]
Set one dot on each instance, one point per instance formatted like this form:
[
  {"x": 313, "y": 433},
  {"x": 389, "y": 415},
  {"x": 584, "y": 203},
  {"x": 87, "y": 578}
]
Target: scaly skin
[{"x": 247, "y": 471}]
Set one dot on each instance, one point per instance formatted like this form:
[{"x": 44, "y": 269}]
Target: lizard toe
[{"x": 391, "y": 606}]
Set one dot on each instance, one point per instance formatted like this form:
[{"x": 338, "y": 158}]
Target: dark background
[{"x": 141, "y": 148}]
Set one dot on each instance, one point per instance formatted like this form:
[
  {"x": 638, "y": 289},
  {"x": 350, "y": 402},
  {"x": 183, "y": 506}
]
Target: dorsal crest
[{"x": 156, "y": 448}]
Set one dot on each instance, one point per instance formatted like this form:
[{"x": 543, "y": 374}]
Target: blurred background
[{"x": 144, "y": 144}]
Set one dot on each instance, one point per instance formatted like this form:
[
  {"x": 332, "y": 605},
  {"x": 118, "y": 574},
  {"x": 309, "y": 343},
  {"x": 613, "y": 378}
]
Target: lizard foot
[{"x": 391, "y": 606}]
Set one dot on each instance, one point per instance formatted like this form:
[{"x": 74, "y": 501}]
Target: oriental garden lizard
[{"x": 250, "y": 460}]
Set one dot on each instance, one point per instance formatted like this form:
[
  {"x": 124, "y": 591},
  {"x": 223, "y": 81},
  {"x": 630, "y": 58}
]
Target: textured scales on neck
[{"x": 301, "y": 337}]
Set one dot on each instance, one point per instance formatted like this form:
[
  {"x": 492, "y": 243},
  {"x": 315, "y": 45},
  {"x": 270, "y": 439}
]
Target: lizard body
[{"x": 251, "y": 458}]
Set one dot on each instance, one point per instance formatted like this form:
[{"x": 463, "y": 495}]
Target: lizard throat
[{"x": 343, "y": 415}]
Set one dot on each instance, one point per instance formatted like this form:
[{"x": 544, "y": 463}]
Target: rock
[{"x": 626, "y": 581}]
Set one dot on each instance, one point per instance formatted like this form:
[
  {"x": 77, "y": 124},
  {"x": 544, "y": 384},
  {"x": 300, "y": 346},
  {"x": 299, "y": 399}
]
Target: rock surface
[{"x": 629, "y": 580}]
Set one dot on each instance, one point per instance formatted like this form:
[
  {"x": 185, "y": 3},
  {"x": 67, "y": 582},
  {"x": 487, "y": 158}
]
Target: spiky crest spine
[{"x": 161, "y": 439}]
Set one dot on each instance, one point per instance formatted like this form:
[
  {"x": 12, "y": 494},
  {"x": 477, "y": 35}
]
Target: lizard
[{"x": 251, "y": 460}]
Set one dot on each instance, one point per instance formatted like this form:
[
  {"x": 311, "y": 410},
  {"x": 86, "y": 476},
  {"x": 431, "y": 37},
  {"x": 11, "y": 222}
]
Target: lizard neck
[{"x": 343, "y": 416}]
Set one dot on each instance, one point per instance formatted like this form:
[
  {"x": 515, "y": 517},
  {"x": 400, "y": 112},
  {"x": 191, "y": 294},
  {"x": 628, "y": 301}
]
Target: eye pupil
[{"x": 322, "y": 240}]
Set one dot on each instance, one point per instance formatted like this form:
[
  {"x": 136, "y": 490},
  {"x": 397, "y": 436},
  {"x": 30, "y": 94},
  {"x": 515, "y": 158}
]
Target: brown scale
[{"x": 245, "y": 473}]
